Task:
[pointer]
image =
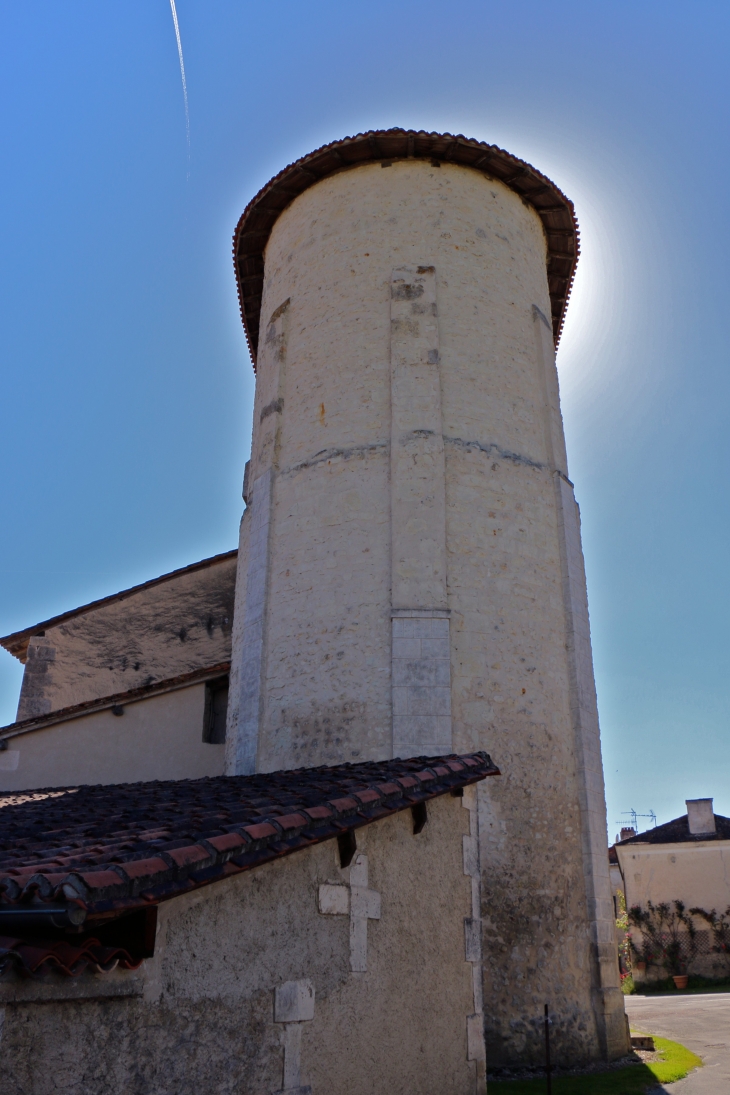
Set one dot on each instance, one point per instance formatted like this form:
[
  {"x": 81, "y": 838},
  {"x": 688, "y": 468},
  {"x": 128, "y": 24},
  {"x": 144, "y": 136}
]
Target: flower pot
[{"x": 680, "y": 980}]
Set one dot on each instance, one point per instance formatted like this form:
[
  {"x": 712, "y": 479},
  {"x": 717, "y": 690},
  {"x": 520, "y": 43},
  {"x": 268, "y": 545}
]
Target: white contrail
[{"x": 182, "y": 73}]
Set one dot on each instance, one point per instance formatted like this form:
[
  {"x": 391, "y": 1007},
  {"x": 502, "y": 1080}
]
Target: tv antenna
[{"x": 651, "y": 815}]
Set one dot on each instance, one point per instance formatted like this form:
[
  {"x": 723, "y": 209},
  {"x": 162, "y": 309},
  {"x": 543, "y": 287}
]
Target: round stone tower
[{"x": 410, "y": 574}]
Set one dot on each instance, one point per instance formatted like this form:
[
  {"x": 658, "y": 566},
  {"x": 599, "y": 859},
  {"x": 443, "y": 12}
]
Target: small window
[{"x": 216, "y": 709}]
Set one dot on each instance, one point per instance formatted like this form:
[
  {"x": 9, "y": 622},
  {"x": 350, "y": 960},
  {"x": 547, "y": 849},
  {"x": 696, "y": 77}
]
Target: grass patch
[{"x": 633, "y": 1080}]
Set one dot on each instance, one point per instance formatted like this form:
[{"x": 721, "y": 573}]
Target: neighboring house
[
  {"x": 614, "y": 871},
  {"x": 307, "y": 931},
  {"x": 687, "y": 859},
  {"x": 130, "y": 687}
]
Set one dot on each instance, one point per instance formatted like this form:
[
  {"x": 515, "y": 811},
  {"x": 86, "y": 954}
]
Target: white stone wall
[{"x": 418, "y": 467}]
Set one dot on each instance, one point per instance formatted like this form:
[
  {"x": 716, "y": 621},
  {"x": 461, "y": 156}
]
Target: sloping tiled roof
[
  {"x": 17, "y": 643},
  {"x": 677, "y": 832},
  {"x": 91, "y": 852},
  {"x": 254, "y": 228}
]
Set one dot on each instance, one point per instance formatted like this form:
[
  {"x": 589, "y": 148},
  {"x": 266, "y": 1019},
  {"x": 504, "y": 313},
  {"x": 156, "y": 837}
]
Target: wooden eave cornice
[{"x": 254, "y": 228}]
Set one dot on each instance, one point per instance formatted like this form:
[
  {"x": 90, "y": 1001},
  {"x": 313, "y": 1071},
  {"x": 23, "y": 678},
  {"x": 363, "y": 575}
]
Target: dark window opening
[
  {"x": 216, "y": 709},
  {"x": 347, "y": 846},
  {"x": 420, "y": 817}
]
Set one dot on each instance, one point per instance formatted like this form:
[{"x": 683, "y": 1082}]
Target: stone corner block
[
  {"x": 294, "y": 1002},
  {"x": 334, "y": 900}
]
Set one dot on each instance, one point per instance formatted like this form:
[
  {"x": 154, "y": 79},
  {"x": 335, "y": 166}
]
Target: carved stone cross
[{"x": 361, "y": 903}]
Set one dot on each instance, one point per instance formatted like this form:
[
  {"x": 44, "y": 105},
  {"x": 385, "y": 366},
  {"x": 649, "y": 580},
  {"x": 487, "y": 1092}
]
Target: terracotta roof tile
[
  {"x": 145, "y": 868},
  {"x": 317, "y": 813},
  {"x": 370, "y": 795},
  {"x": 261, "y": 831},
  {"x": 291, "y": 821},
  {"x": 189, "y": 855},
  {"x": 344, "y": 804},
  {"x": 393, "y": 788},
  {"x": 226, "y": 842}
]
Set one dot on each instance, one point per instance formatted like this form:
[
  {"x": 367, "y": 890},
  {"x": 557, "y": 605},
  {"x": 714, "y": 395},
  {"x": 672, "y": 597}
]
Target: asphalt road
[{"x": 700, "y": 1022}]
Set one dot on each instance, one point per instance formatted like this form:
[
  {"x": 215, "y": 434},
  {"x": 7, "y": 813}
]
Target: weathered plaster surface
[
  {"x": 207, "y": 1021},
  {"x": 158, "y": 633},
  {"x": 521, "y": 681},
  {"x": 160, "y": 737}
]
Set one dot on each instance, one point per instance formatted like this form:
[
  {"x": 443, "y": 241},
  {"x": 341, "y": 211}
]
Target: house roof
[
  {"x": 677, "y": 832},
  {"x": 117, "y": 699},
  {"x": 90, "y": 854},
  {"x": 17, "y": 643},
  {"x": 254, "y": 228}
]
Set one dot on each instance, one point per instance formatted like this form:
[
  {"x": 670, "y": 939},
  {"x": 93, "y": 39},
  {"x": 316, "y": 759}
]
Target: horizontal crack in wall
[
  {"x": 333, "y": 454},
  {"x": 491, "y": 449}
]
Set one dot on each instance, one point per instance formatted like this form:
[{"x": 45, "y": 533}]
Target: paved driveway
[{"x": 700, "y": 1022}]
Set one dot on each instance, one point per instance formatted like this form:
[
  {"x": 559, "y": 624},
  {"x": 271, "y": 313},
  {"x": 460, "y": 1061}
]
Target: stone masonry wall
[{"x": 169, "y": 629}]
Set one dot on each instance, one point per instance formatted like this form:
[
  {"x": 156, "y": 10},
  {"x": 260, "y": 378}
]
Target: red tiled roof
[
  {"x": 555, "y": 210},
  {"x": 88, "y": 852}
]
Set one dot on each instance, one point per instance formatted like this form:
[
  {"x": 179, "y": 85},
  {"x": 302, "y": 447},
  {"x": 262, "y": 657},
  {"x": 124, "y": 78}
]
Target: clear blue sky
[{"x": 126, "y": 388}]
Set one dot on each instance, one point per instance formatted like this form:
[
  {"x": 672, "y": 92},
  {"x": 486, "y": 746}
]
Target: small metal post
[{"x": 548, "y": 1068}]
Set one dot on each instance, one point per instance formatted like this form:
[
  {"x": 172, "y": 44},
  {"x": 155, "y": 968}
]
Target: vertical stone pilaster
[
  {"x": 420, "y": 662},
  {"x": 241, "y": 746},
  {"x": 418, "y": 497},
  {"x": 293, "y": 1006},
  {"x": 607, "y": 998},
  {"x": 246, "y": 710}
]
